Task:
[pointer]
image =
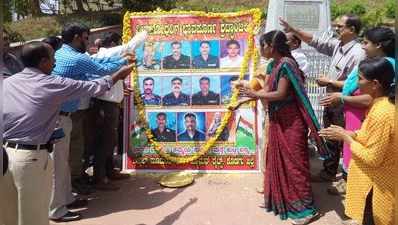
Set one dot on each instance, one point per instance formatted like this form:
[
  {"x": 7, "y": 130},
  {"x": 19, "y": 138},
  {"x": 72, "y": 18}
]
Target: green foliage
[
  {"x": 373, "y": 18},
  {"x": 33, "y": 28},
  {"x": 372, "y": 13},
  {"x": 391, "y": 6},
  {"x": 220, "y": 5},
  {"x": 356, "y": 7}
]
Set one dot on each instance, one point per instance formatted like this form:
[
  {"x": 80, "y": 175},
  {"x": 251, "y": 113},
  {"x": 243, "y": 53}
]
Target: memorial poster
[{"x": 183, "y": 86}]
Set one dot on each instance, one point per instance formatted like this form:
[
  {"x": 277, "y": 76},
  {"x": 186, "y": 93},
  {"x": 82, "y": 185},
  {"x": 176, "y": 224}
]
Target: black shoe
[
  {"x": 70, "y": 216},
  {"x": 78, "y": 203},
  {"x": 81, "y": 188}
]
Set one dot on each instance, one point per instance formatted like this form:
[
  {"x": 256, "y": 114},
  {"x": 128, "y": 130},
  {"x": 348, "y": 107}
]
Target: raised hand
[
  {"x": 122, "y": 73},
  {"x": 286, "y": 26}
]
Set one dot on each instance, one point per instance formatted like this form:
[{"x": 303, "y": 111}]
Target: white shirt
[
  {"x": 138, "y": 39},
  {"x": 228, "y": 62},
  {"x": 302, "y": 60},
  {"x": 116, "y": 93}
]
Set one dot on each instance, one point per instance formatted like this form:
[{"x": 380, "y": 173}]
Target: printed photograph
[
  {"x": 150, "y": 90},
  {"x": 232, "y": 52},
  {"x": 205, "y": 90},
  {"x": 163, "y": 126},
  {"x": 176, "y": 91},
  {"x": 227, "y": 85},
  {"x": 213, "y": 121},
  {"x": 191, "y": 126},
  {"x": 205, "y": 54},
  {"x": 176, "y": 55},
  {"x": 148, "y": 56}
]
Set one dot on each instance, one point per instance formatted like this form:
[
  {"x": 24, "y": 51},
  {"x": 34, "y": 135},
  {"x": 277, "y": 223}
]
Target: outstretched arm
[{"x": 279, "y": 94}]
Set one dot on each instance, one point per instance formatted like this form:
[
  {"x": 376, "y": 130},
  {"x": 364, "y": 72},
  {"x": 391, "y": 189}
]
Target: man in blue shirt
[
  {"x": 72, "y": 62},
  {"x": 191, "y": 133},
  {"x": 205, "y": 60},
  {"x": 32, "y": 100}
]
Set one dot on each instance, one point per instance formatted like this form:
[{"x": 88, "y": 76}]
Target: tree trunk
[
  {"x": 35, "y": 8},
  {"x": 80, "y": 7}
]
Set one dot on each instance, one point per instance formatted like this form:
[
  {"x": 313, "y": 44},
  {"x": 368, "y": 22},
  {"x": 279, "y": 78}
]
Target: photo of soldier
[
  {"x": 190, "y": 125},
  {"x": 163, "y": 130},
  {"x": 206, "y": 96},
  {"x": 148, "y": 57},
  {"x": 148, "y": 96},
  {"x": 227, "y": 87},
  {"x": 176, "y": 59},
  {"x": 205, "y": 54},
  {"x": 231, "y": 53},
  {"x": 176, "y": 96}
]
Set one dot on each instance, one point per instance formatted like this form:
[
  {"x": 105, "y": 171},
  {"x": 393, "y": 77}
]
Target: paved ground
[{"x": 214, "y": 199}]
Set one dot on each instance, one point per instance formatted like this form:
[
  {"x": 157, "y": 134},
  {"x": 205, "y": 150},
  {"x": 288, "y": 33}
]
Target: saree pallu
[
  {"x": 287, "y": 187},
  {"x": 353, "y": 121}
]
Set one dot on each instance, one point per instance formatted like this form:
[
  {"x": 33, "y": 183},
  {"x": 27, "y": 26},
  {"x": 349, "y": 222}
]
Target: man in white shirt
[
  {"x": 297, "y": 52},
  {"x": 233, "y": 59}
]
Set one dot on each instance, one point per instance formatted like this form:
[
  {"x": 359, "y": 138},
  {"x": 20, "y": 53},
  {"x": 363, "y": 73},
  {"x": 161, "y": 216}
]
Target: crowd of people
[
  {"x": 59, "y": 120},
  {"x": 359, "y": 113}
]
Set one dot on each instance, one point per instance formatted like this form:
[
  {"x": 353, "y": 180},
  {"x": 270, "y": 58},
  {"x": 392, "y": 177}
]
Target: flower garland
[{"x": 251, "y": 55}]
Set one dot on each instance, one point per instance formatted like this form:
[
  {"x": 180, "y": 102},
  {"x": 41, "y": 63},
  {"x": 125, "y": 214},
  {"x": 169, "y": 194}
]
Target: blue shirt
[{"x": 78, "y": 66}]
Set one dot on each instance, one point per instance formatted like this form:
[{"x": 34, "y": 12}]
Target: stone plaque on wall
[{"x": 303, "y": 15}]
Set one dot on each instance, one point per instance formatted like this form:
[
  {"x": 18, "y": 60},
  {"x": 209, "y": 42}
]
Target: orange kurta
[{"x": 373, "y": 165}]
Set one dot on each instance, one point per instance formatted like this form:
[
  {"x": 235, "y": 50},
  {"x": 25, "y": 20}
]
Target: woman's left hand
[
  {"x": 336, "y": 133},
  {"x": 245, "y": 91}
]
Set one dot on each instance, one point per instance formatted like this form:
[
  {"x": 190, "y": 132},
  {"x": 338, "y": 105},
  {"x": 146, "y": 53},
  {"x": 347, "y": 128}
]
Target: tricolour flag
[{"x": 245, "y": 136}]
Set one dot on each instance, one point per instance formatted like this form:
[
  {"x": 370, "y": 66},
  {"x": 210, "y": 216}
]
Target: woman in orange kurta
[{"x": 370, "y": 184}]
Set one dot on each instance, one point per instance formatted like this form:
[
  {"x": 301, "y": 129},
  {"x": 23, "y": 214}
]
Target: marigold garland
[{"x": 251, "y": 55}]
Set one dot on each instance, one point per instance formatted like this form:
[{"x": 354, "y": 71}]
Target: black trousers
[
  {"x": 105, "y": 137},
  {"x": 333, "y": 116}
]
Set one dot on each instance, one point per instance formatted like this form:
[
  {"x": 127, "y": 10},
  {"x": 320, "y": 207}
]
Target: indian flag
[{"x": 245, "y": 135}]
